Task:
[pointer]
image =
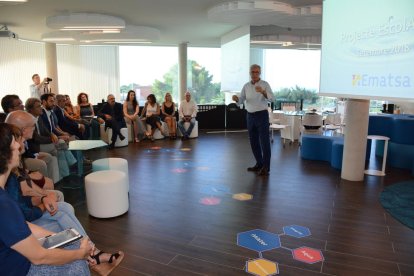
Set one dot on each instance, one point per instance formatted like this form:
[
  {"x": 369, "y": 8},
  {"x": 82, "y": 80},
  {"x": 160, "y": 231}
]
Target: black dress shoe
[
  {"x": 111, "y": 146},
  {"x": 255, "y": 168},
  {"x": 122, "y": 137},
  {"x": 263, "y": 172}
]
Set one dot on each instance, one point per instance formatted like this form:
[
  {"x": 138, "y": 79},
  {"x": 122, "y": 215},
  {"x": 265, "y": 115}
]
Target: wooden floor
[{"x": 167, "y": 231}]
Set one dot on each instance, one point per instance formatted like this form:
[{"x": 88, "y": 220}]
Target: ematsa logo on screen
[{"x": 366, "y": 80}]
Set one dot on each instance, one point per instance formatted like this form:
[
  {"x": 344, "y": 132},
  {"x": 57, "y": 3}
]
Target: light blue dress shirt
[{"x": 255, "y": 101}]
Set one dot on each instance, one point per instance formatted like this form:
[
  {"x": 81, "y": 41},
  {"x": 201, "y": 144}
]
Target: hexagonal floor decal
[
  {"x": 242, "y": 196},
  {"x": 296, "y": 231},
  {"x": 210, "y": 200},
  {"x": 258, "y": 240},
  {"x": 307, "y": 255},
  {"x": 262, "y": 267}
]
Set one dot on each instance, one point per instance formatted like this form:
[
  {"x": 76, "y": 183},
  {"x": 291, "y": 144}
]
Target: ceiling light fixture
[
  {"x": 85, "y": 21},
  {"x": 109, "y": 31},
  {"x": 127, "y": 42},
  {"x": 58, "y": 37}
]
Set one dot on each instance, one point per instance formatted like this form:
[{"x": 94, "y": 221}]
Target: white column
[
  {"x": 182, "y": 70},
  {"x": 51, "y": 66},
  {"x": 355, "y": 144}
]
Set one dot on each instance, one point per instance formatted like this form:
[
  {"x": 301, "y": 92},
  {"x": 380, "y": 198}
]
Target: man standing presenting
[
  {"x": 38, "y": 88},
  {"x": 187, "y": 113},
  {"x": 256, "y": 94}
]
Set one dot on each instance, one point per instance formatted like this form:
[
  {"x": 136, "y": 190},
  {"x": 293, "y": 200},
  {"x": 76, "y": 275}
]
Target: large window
[
  {"x": 203, "y": 75},
  {"x": 140, "y": 72},
  {"x": 294, "y": 77},
  {"x": 148, "y": 70}
]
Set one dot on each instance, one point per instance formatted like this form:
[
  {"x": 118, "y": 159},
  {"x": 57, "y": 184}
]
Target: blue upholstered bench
[
  {"x": 400, "y": 130},
  {"x": 323, "y": 148},
  {"x": 326, "y": 148}
]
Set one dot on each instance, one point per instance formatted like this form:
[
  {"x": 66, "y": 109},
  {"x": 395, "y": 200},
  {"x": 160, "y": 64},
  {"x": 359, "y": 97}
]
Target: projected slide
[{"x": 368, "y": 49}]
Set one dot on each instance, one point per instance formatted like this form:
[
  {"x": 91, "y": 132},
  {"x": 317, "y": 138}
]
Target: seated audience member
[
  {"x": 45, "y": 140},
  {"x": 21, "y": 252},
  {"x": 152, "y": 113},
  {"x": 11, "y": 103},
  {"x": 65, "y": 123},
  {"x": 187, "y": 113},
  {"x": 42, "y": 139},
  {"x": 70, "y": 110},
  {"x": 84, "y": 111},
  {"x": 168, "y": 115},
  {"x": 55, "y": 216},
  {"x": 50, "y": 118},
  {"x": 38, "y": 88},
  {"x": 131, "y": 110},
  {"x": 33, "y": 183},
  {"x": 113, "y": 116},
  {"x": 43, "y": 162}
]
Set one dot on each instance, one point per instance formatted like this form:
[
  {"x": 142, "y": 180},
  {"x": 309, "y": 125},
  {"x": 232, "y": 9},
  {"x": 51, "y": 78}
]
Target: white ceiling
[{"x": 177, "y": 20}]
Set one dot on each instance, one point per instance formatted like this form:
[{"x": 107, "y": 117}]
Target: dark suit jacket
[
  {"x": 116, "y": 112},
  {"x": 41, "y": 135},
  {"x": 65, "y": 123},
  {"x": 46, "y": 123}
]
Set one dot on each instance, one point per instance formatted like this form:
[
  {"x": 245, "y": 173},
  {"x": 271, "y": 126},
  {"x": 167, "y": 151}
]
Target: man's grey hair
[
  {"x": 255, "y": 66},
  {"x": 60, "y": 97}
]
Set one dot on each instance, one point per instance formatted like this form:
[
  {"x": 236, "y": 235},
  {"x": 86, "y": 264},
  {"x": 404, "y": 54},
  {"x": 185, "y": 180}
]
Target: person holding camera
[{"x": 38, "y": 88}]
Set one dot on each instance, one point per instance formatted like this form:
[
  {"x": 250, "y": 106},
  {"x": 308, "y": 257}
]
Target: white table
[
  {"x": 384, "y": 157},
  {"x": 78, "y": 146}
]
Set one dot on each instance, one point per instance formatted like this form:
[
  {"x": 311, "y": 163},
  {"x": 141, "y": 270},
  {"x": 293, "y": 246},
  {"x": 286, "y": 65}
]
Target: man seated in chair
[
  {"x": 65, "y": 123},
  {"x": 112, "y": 113},
  {"x": 187, "y": 113}
]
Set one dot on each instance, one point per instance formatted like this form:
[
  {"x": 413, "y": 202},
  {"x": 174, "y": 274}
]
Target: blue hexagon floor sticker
[{"x": 260, "y": 240}]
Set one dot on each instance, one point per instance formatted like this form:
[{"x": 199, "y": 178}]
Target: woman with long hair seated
[
  {"x": 131, "y": 110},
  {"x": 20, "y": 250},
  {"x": 168, "y": 115},
  {"x": 84, "y": 111},
  {"x": 54, "y": 216},
  {"x": 152, "y": 113}
]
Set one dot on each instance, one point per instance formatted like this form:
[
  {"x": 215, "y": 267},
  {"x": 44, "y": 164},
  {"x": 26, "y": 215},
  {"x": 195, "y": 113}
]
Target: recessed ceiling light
[
  {"x": 84, "y": 21},
  {"x": 52, "y": 39},
  {"x": 127, "y": 42}
]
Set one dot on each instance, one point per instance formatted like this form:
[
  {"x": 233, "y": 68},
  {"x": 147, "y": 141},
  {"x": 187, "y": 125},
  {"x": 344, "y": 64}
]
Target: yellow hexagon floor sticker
[
  {"x": 262, "y": 267},
  {"x": 243, "y": 196}
]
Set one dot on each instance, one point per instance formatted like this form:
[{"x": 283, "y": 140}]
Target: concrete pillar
[
  {"x": 355, "y": 144},
  {"x": 182, "y": 70},
  {"x": 51, "y": 66}
]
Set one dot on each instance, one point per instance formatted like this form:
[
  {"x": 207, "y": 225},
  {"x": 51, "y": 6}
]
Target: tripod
[{"x": 46, "y": 89}]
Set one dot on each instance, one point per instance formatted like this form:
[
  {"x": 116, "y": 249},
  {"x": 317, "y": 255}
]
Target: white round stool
[
  {"x": 106, "y": 193},
  {"x": 117, "y": 164}
]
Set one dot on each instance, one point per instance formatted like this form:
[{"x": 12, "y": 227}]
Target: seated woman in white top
[{"x": 151, "y": 112}]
